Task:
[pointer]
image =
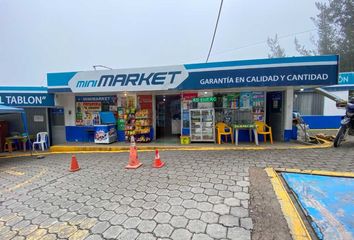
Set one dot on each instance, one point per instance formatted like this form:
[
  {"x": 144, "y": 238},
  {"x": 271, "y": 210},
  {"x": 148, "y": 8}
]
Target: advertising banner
[{"x": 87, "y": 113}]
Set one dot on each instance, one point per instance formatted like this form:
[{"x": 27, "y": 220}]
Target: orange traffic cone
[
  {"x": 158, "y": 163},
  {"x": 74, "y": 164},
  {"x": 133, "y": 156}
]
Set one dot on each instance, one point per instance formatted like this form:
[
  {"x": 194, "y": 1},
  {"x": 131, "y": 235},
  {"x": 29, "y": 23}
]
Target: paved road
[{"x": 197, "y": 195}]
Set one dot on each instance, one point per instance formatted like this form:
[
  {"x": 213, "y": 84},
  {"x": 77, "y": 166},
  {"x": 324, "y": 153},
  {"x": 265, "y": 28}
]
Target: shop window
[
  {"x": 308, "y": 103},
  {"x": 187, "y": 104},
  {"x": 89, "y": 107},
  {"x": 240, "y": 108}
]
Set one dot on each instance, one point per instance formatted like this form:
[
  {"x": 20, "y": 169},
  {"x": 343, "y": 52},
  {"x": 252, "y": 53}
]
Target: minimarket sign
[{"x": 295, "y": 71}]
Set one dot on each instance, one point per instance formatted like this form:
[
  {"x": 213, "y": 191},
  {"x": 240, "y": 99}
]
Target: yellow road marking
[
  {"x": 41, "y": 173},
  {"x": 88, "y": 223},
  {"x": 95, "y": 149},
  {"x": 318, "y": 172},
  {"x": 78, "y": 235},
  {"x": 14, "y": 172},
  {"x": 8, "y": 217},
  {"x": 295, "y": 223},
  {"x": 28, "y": 181},
  {"x": 37, "y": 234}
]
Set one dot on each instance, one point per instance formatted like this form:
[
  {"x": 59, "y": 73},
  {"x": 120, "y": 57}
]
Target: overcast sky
[{"x": 41, "y": 36}]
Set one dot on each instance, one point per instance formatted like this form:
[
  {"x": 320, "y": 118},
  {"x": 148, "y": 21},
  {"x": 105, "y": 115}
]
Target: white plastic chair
[{"x": 41, "y": 140}]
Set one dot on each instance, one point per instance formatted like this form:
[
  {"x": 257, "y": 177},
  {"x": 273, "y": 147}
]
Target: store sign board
[
  {"x": 262, "y": 77},
  {"x": 27, "y": 99},
  {"x": 105, "y": 99},
  {"x": 144, "y": 79},
  {"x": 204, "y": 99},
  {"x": 346, "y": 78},
  {"x": 189, "y": 96},
  {"x": 295, "y": 71},
  {"x": 145, "y": 101}
]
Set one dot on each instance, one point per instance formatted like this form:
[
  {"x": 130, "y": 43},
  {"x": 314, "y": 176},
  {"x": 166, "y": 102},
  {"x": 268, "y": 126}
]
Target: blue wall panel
[
  {"x": 322, "y": 122},
  {"x": 79, "y": 133}
]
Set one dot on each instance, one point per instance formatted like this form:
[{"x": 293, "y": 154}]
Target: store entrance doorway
[
  {"x": 275, "y": 114},
  {"x": 168, "y": 118},
  {"x": 57, "y": 126}
]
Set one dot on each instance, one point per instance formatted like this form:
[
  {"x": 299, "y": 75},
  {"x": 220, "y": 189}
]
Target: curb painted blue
[{"x": 288, "y": 135}]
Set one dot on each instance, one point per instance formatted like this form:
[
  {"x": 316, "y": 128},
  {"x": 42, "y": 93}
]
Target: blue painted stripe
[
  {"x": 339, "y": 88},
  {"x": 56, "y": 90},
  {"x": 22, "y": 88},
  {"x": 322, "y": 122},
  {"x": 59, "y": 79},
  {"x": 263, "y": 61}
]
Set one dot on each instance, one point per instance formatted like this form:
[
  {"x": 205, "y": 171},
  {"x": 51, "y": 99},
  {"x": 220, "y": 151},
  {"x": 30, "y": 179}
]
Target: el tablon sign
[{"x": 26, "y": 99}]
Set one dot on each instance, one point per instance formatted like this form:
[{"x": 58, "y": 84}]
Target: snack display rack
[
  {"x": 129, "y": 124},
  {"x": 143, "y": 124}
]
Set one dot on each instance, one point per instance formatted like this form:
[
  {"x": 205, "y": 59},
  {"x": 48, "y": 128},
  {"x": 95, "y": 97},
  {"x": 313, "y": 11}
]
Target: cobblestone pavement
[{"x": 197, "y": 195}]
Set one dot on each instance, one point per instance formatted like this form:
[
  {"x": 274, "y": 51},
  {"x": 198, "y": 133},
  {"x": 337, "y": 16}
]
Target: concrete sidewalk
[
  {"x": 197, "y": 195},
  {"x": 71, "y": 147}
]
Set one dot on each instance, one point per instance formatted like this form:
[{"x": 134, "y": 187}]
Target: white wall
[
  {"x": 67, "y": 101},
  {"x": 330, "y": 109},
  {"x": 288, "y": 110}
]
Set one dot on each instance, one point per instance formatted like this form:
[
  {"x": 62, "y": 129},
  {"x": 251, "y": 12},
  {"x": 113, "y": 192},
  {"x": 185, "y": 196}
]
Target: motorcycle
[{"x": 347, "y": 124}]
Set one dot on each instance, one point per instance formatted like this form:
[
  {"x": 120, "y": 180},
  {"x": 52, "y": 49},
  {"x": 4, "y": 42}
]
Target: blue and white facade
[
  {"x": 330, "y": 119},
  {"x": 281, "y": 74},
  {"x": 17, "y": 96},
  {"x": 343, "y": 89},
  {"x": 36, "y": 102}
]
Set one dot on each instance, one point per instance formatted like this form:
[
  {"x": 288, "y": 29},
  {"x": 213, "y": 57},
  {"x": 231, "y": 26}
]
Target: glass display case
[{"x": 202, "y": 125}]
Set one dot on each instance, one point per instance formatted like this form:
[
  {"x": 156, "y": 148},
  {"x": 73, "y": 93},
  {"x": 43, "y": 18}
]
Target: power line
[
  {"x": 262, "y": 42},
  {"x": 216, "y": 27},
  {"x": 256, "y": 43}
]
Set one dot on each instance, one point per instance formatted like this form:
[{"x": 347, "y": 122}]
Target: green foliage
[
  {"x": 335, "y": 27},
  {"x": 275, "y": 49},
  {"x": 302, "y": 50}
]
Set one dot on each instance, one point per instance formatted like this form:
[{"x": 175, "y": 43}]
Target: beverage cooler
[
  {"x": 202, "y": 125},
  {"x": 106, "y": 132}
]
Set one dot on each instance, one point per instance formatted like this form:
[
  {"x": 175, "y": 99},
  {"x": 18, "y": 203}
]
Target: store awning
[{"x": 8, "y": 110}]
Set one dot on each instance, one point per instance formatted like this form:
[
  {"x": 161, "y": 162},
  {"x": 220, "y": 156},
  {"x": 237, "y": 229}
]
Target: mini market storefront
[{"x": 161, "y": 103}]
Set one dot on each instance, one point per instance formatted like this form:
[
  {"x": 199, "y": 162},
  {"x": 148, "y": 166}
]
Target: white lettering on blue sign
[
  {"x": 307, "y": 77},
  {"x": 263, "y": 79},
  {"x": 225, "y": 80},
  {"x": 22, "y": 100},
  {"x": 343, "y": 80},
  {"x": 346, "y": 78}
]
